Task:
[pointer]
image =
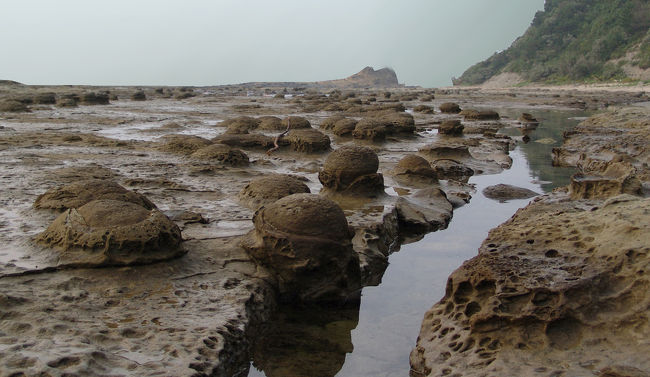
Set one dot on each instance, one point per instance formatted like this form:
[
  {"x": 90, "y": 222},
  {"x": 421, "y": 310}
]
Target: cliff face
[{"x": 575, "y": 40}]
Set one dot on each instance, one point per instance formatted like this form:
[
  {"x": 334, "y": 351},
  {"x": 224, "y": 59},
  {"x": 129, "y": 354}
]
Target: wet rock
[
  {"x": 344, "y": 127},
  {"x": 304, "y": 240},
  {"x": 112, "y": 232},
  {"x": 268, "y": 189},
  {"x": 139, "y": 96},
  {"x": 446, "y": 150},
  {"x": 450, "y": 108},
  {"x": 547, "y": 287},
  {"x": 503, "y": 192},
  {"x": 45, "y": 98},
  {"x": 413, "y": 168},
  {"x": 13, "y": 106},
  {"x": 246, "y": 141},
  {"x": 451, "y": 127},
  {"x": 308, "y": 140},
  {"x": 77, "y": 194},
  {"x": 398, "y": 122},
  {"x": 425, "y": 211},
  {"x": 329, "y": 123},
  {"x": 93, "y": 98},
  {"x": 296, "y": 122},
  {"x": 602, "y": 180},
  {"x": 183, "y": 144},
  {"x": 67, "y": 102},
  {"x": 371, "y": 129},
  {"x": 222, "y": 154},
  {"x": 481, "y": 115},
  {"x": 239, "y": 125},
  {"x": 451, "y": 169},
  {"x": 186, "y": 217},
  {"x": 423, "y": 109},
  {"x": 352, "y": 170},
  {"x": 271, "y": 123},
  {"x": 526, "y": 118}
]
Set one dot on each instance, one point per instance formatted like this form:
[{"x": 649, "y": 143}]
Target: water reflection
[
  {"x": 305, "y": 342},
  {"x": 384, "y": 328}
]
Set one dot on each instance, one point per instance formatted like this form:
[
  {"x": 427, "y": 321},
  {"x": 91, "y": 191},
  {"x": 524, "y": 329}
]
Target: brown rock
[
  {"x": 304, "y": 240},
  {"x": 296, "y": 122},
  {"x": 371, "y": 129},
  {"x": 271, "y": 123},
  {"x": 246, "y": 141},
  {"x": 548, "y": 287},
  {"x": 451, "y": 127},
  {"x": 77, "y": 194},
  {"x": 111, "y": 232},
  {"x": 414, "y": 167},
  {"x": 503, "y": 192},
  {"x": 352, "y": 170},
  {"x": 450, "y": 108},
  {"x": 183, "y": 144},
  {"x": 268, "y": 189},
  {"x": 308, "y": 140},
  {"x": 222, "y": 154}
]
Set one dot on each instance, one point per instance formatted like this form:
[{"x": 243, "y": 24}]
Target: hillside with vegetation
[{"x": 575, "y": 41}]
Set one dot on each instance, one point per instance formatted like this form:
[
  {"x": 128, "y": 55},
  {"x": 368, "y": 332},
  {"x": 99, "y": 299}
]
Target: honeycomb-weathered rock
[
  {"x": 557, "y": 288},
  {"x": 112, "y": 232},
  {"x": 304, "y": 240}
]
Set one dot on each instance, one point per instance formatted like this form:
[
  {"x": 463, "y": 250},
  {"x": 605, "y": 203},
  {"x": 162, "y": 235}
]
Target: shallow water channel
[{"x": 376, "y": 338}]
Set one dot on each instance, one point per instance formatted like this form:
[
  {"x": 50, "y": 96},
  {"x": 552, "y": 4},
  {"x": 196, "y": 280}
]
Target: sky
[{"x": 214, "y": 42}]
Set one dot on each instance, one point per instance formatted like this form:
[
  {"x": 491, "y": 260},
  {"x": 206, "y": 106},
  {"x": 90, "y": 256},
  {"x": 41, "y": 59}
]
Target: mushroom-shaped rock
[
  {"x": 295, "y": 122},
  {"x": 304, "y": 240},
  {"x": 451, "y": 127},
  {"x": 268, "y": 189},
  {"x": 112, "y": 232},
  {"x": 77, "y": 194},
  {"x": 328, "y": 124},
  {"x": 423, "y": 109},
  {"x": 183, "y": 144},
  {"x": 344, "y": 127},
  {"x": 223, "y": 154},
  {"x": 450, "y": 108},
  {"x": 308, "y": 140},
  {"x": 371, "y": 129},
  {"x": 270, "y": 123},
  {"x": 352, "y": 170},
  {"x": 399, "y": 122},
  {"x": 240, "y": 125},
  {"x": 414, "y": 166},
  {"x": 503, "y": 192}
]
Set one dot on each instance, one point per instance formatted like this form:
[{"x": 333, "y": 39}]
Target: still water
[{"x": 376, "y": 338}]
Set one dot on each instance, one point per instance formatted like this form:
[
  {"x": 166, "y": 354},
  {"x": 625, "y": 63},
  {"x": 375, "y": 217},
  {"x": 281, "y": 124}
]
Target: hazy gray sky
[{"x": 203, "y": 42}]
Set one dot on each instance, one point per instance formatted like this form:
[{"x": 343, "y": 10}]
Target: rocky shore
[
  {"x": 150, "y": 231},
  {"x": 560, "y": 289}
]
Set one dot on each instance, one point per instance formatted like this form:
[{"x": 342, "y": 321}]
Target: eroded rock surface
[
  {"x": 112, "y": 232},
  {"x": 556, "y": 288},
  {"x": 266, "y": 190},
  {"x": 503, "y": 192},
  {"x": 304, "y": 240},
  {"x": 352, "y": 170}
]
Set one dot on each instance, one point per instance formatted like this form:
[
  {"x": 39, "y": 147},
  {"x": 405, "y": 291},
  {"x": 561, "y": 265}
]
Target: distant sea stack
[{"x": 367, "y": 77}]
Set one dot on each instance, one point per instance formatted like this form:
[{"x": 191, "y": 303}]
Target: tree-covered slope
[{"x": 574, "y": 40}]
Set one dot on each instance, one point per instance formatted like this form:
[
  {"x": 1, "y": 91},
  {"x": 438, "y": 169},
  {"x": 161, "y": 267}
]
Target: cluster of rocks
[{"x": 562, "y": 283}]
